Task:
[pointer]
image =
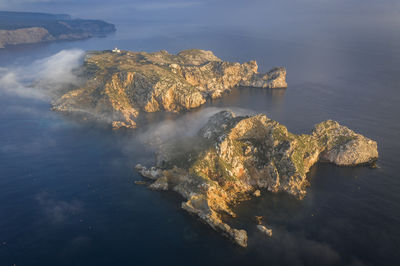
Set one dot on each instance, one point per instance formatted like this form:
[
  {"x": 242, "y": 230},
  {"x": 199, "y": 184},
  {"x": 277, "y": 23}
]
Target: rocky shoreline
[
  {"x": 120, "y": 85},
  {"x": 233, "y": 158}
]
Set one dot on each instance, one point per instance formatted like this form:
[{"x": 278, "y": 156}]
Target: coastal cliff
[
  {"x": 233, "y": 158},
  {"x": 25, "y": 27},
  {"x": 25, "y": 35},
  {"x": 121, "y": 84}
]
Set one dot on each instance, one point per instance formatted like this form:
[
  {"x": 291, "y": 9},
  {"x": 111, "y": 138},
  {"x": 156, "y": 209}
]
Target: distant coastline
[{"x": 27, "y": 27}]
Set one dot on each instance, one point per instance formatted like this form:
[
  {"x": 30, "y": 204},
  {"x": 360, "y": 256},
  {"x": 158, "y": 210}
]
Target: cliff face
[
  {"x": 233, "y": 158},
  {"x": 25, "y": 27},
  {"x": 26, "y": 35},
  {"x": 120, "y": 85}
]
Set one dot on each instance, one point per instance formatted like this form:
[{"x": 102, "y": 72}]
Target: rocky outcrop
[
  {"x": 121, "y": 85},
  {"x": 344, "y": 146},
  {"x": 263, "y": 229},
  {"x": 234, "y": 156},
  {"x": 275, "y": 78}
]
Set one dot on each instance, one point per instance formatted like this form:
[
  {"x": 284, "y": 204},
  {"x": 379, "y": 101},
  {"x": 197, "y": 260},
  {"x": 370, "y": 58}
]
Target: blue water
[{"x": 67, "y": 192}]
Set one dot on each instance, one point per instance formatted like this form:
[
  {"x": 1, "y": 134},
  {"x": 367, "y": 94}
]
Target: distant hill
[{"x": 28, "y": 27}]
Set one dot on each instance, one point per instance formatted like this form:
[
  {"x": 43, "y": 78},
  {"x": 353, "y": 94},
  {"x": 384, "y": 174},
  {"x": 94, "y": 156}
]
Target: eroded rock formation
[
  {"x": 234, "y": 156},
  {"x": 121, "y": 85}
]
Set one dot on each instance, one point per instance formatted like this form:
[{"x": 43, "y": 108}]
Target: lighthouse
[{"x": 116, "y": 50}]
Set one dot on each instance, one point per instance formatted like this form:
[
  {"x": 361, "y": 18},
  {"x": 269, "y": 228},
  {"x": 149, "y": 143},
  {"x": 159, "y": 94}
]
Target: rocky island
[
  {"x": 26, "y": 27},
  {"x": 120, "y": 85},
  {"x": 233, "y": 158}
]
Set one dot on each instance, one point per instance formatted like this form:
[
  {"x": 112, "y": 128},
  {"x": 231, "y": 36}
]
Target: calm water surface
[{"x": 67, "y": 192}]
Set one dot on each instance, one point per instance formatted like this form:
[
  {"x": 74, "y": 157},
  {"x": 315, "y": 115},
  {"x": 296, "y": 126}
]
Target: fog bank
[{"x": 44, "y": 77}]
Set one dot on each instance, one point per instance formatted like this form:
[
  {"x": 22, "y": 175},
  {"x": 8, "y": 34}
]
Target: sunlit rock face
[
  {"x": 121, "y": 85},
  {"x": 234, "y": 156},
  {"x": 343, "y": 146}
]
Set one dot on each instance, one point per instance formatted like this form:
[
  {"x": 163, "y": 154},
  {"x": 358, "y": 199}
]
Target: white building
[{"x": 116, "y": 50}]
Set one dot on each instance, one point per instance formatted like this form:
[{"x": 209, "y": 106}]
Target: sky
[{"x": 251, "y": 11}]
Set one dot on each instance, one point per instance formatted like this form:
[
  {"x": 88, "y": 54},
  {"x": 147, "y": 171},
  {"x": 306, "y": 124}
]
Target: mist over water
[
  {"x": 42, "y": 78},
  {"x": 172, "y": 129},
  {"x": 66, "y": 187}
]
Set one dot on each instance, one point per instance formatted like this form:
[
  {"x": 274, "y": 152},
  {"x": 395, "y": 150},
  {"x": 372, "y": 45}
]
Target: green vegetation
[{"x": 304, "y": 146}]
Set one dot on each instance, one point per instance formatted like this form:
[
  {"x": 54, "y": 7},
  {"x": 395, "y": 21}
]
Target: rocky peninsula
[
  {"x": 120, "y": 85},
  {"x": 27, "y": 27},
  {"x": 232, "y": 158}
]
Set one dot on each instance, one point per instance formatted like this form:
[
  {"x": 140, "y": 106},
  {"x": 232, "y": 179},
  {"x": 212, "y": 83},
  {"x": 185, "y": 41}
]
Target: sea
[{"x": 67, "y": 187}]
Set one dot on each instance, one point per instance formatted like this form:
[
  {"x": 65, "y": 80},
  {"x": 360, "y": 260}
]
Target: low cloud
[
  {"x": 186, "y": 126},
  {"x": 59, "y": 67},
  {"x": 42, "y": 78},
  {"x": 11, "y": 84}
]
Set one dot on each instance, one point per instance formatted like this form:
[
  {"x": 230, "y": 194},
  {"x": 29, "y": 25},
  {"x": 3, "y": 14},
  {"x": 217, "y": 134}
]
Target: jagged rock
[
  {"x": 264, "y": 230},
  {"x": 344, "y": 146},
  {"x": 257, "y": 193},
  {"x": 258, "y": 219},
  {"x": 160, "y": 184},
  {"x": 275, "y": 78},
  {"x": 140, "y": 182},
  {"x": 240, "y": 237},
  {"x": 237, "y": 155},
  {"x": 121, "y": 85},
  {"x": 151, "y": 173}
]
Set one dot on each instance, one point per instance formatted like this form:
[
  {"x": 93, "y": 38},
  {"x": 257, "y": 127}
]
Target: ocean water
[{"x": 67, "y": 192}]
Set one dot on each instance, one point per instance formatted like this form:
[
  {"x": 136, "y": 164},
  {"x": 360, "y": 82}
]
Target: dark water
[{"x": 67, "y": 192}]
